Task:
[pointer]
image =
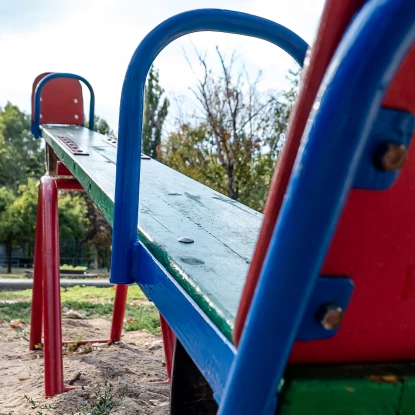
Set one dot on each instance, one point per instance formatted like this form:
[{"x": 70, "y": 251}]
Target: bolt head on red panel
[
  {"x": 333, "y": 316},
  {"x": 391, "y": 156}
]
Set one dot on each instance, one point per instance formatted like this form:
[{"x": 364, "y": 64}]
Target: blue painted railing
[
  {"x": 349, "y": 100},
  {"x": 43, "y": 82},
  {"x": 131, "y": 111}
]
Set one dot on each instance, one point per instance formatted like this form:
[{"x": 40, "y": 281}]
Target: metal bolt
[
  {"x": 390, "y": 156},
  {"x": 332, "y": 316},
  {"x": 185, "y": 240}
]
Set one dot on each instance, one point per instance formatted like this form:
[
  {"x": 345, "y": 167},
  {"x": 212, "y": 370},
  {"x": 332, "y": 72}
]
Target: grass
[
  {"x": 72, "y": 268},
  {"x": 91, "y": 301},
  {"x": 18, "y": 273},
  {"x": 102, "y": 402},
  {"x": 79, "y": 293}
]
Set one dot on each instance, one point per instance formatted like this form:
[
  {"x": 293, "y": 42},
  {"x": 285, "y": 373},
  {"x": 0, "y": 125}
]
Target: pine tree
[{"x": 155, "y": 113}]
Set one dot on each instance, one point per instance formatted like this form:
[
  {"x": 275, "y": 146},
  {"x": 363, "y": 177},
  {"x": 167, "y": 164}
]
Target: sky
[{"x": 96, "y": 39}]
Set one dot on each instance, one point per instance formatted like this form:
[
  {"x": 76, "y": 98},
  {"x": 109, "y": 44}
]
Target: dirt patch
[{"x": 128, "y": 368}]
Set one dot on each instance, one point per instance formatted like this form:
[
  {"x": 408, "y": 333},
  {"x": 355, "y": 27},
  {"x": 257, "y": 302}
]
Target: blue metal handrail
[
  {"x": 349, "y": 100},
  {"x": 131, "y": 110},
  {"x": 43, "y": 82}
]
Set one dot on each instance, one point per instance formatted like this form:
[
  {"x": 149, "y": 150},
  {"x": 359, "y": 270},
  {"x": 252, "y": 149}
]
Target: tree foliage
[
  {"x": 21, "y": 155},
  {"x": 82, "y": 226},
  {"x": 232, "y": 143},
  {"x": 101, "y": 126},
  {"x": 155, "y": 113},
  {"x": 18, "y": 216},
  {"x": 98, "y": 232}
]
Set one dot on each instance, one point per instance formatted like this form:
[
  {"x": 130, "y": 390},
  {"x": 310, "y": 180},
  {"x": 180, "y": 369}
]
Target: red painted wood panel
[
  {"x": 62, "y": 101},
  {"x": 375, "y": 245},
  {"x": 375, "y": 240},
  {"x": 335, "y": 19}
]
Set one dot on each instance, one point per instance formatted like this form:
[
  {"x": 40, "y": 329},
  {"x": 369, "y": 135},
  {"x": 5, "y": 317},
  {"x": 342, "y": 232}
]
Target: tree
[
  {"x": 101, "y": 126},
  {"x": 73, "y": 223},
  {"x": 17, "y": 217},
  {"x": 21, "y": 155},
  {"x": 233, "y": 142},
  {"x": 98, "y": 232},
  {"x": 155, "y": 113},
  {"x": 81, "y": 224}
]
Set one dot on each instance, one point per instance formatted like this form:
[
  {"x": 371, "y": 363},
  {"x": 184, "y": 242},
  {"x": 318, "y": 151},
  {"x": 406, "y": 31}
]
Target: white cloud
[{"x": 96, "y": 39}]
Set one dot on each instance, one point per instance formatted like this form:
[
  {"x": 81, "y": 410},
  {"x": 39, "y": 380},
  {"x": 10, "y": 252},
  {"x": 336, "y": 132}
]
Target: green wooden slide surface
[
  {"x": 213, "y": 268},
  {"x": 349, "y": 390},
  {"x": 213, "y": 271}
]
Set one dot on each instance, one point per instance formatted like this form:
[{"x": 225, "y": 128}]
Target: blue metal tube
[
  {"x": 132, "y": 102},
  {"x": 43, "y": 82},
  {"x": 351, "y": 95}
]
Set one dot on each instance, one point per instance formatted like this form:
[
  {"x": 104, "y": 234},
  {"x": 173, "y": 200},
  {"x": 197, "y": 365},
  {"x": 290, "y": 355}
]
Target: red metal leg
[
  {"x": 37, "y": 290},
  {"x": 51, "y": 288},
  {"x": 118, "y": 313},
  {"x": 46, "y": 302},
  {"x": 169, "y": 340}
]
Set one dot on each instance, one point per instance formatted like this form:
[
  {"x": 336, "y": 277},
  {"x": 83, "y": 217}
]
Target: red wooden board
[
  {"x": 335, "y": 19},
  {"x": 375, "y": 245},
  {"x": 375, "y": 240},
  {"x": 62, "y": 101}
]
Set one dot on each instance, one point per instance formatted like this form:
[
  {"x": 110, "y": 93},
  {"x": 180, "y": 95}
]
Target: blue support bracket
[
  {"x": 132, "y": 104},
  {"x": 328, "y": 292},
  {"x": 390, "y": 126},
  {"x": 211, "y": 351},
  {"x": 346, "y": 107}
]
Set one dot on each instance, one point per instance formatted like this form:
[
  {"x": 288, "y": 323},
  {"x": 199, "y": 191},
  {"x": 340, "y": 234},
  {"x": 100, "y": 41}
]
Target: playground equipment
[{"x": 332, "y": 276}]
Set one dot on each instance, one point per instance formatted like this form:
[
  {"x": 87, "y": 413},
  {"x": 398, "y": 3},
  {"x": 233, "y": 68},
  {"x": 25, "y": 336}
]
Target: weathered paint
[
  {"x": 357, "y": 390},
  {"x": 213, "y": 268}
]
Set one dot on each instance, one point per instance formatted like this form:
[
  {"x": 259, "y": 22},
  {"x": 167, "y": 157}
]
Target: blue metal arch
[
  {"x": 131, "y": 110},
  {"x": 349, "y": 100},
  {"x": 43, "y": 82}
]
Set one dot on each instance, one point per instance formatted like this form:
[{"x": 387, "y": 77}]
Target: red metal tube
[
  {"x": 169, "y": 340},
  {"x": 68, "y": 184},
  {"x": 46, "y": 304},
  {"x": 37, "y": 290},
  {"x": 51, "y": 288},
  {"x": 118, "y": 312},
  {"x": 62, "y": 170}
]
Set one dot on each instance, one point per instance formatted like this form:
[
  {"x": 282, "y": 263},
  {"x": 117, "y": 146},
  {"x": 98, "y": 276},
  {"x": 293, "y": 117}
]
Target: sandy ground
[{"x": 129, "y": 367}]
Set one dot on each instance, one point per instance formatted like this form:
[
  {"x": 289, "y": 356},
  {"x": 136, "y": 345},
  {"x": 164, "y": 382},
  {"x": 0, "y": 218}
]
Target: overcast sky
[{"x": 96, "y": 39}]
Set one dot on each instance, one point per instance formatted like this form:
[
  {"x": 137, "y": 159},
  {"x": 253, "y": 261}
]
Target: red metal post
[
  {"x": 52, "y": 347},
  {"x": 169, "y": 340},
  {"x": 37, "y": 290},
  {"x": 62, "y": 170},
  {"x": 46, "y": 302},
  {"x": 68, "y": 184},
  {"x": 118, "y": 313}
]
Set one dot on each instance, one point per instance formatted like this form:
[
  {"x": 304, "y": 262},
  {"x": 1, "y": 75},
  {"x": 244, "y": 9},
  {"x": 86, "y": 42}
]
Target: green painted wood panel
[
  {"x": 357, "y": 390},
  {"x": 212, "y": 269}
]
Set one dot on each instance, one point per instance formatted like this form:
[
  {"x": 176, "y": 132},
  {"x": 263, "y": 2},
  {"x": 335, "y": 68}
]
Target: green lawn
[
  {"x": 19, "y": 273},
  {"x": 91, "y": 301}
]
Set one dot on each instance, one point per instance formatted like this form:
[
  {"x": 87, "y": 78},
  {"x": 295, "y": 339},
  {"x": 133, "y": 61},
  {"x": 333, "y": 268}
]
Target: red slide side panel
[
  {"x": 335, "y": 19},
  {"x": 375, "y": 240},
  {"x": 374, "y": 245},
  {"x": 61, "y": 103}
]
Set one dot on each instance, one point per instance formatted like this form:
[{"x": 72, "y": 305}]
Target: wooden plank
[
  {"x": 358, "y": 390},
  {"x": 213, "y": 268}
]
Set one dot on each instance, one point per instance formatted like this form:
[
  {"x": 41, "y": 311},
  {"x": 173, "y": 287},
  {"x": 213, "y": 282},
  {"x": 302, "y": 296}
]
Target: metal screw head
[
  {"x": 185, "y": 240},
  {"x": 390, "y": 156},
  {"x": 332, "y": 316}
]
